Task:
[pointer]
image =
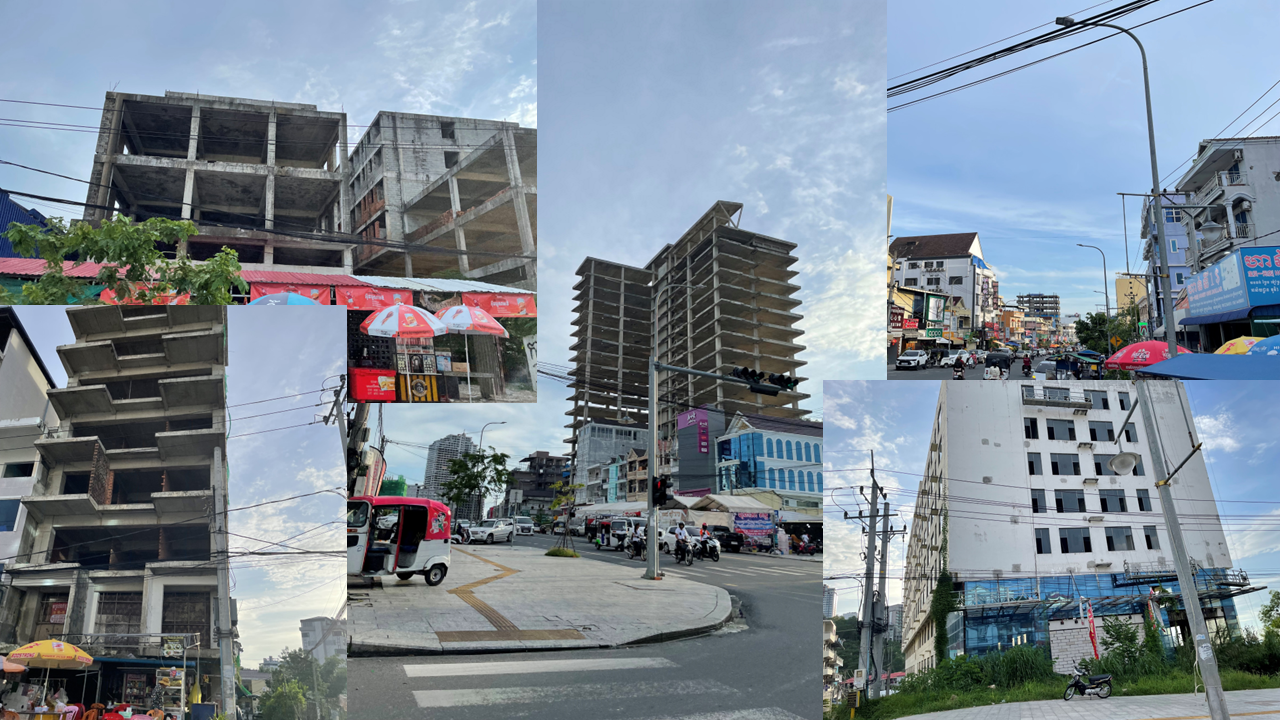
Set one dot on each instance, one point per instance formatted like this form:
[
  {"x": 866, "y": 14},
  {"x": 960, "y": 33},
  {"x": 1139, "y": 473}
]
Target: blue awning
[
  {"x": 1259, "y": 311},
  {"x": 1195, "y": 366}
]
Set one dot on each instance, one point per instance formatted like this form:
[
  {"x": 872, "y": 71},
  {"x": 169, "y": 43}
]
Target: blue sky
[
  {"x": 895, "y": 418},
  {"x": 272, "y": 354},
  {"x": 1032, "y": 161},
  {"x": 473, "y": 59},
  {"x": 657, "y": 110}
]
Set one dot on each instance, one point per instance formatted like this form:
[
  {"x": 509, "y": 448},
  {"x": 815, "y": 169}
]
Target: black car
[{"x": 728, "y": 539}]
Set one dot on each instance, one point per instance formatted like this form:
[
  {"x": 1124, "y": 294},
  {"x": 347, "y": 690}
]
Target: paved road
[
  {"x": 768, "y": 668},
  {"x": 944, "y": 373},
  {"x": 1253, "y": 703}
]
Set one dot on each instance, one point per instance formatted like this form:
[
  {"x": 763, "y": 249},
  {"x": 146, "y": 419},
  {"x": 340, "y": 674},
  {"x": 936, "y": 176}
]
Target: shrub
[{"x": 562, "y": 552}]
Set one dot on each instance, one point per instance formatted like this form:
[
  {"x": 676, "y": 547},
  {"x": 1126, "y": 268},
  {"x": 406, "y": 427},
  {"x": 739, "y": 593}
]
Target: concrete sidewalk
[
  {"x": 1263, "y": 703},
  {"x": 504, "y": 598}
]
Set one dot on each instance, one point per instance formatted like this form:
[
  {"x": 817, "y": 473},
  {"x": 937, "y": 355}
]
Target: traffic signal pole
[{"x": 778, "y": 383}]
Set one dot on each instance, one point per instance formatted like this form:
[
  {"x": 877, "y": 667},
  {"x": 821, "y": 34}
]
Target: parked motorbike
[
  {"x": 1099, "y": 685},
  {"x": 803, "y": 548},
  {"x": 635, "y": 549}
]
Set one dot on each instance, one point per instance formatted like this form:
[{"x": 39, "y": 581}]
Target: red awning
[{"x": 503, "y": 304}]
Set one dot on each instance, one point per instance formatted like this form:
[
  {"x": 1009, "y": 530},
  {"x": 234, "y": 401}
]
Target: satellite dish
[{"x": 1123, "y": 463}]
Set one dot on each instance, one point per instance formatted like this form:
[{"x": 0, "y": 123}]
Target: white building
[
  {"x": 895, "y": 622},
  {"x": 949, "y": 265},
  {"x": 828, "y": 601},
  {"x": 597, "y": 442},
  {"x": 440, "y": 452},
  {"x": 1237, "y": 177},
  {"x": 1016, "y": 478},
  {"x": 760, "y": 451},
  {"x": 25, "y": 413},
  {"x": 324, "y": 638}
]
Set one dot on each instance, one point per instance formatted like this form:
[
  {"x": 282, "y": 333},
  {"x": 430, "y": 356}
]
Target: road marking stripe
[
  {"x": 520, "y": 667},
  {"x": 562, "y": 693},
  {"x": 753, "y": 714}
]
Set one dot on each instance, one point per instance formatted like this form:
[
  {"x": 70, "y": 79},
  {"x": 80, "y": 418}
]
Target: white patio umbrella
[{"x": 466, "y": 320}]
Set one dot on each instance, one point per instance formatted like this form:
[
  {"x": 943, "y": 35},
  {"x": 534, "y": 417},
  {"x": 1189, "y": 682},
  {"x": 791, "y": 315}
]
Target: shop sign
[
  {"x": 895, "y": 317},
  {"x": 934, "y": 305},
  {"x": 755, "y": 524},
  {"x": 1218, "y": 288},
  {"x": 698, "y": 418},
  {"x": 910, "y": 323},
  {"x": 319, "y": 293},
  {"x": 371, "y": 298},
  {"x": 933, "y": 332},
  {"x": 1262, "y": 274},
  {"x": 172, "y": 645},
  {"x": 371, "y": 385},
  {"x": 503, "y": 304}
]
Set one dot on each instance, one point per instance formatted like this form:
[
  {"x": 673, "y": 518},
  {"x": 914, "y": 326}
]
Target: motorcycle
[
  {"x": 957, "y": 373},
  {"x": 804, "y": 549},
  {"x": 711, "y": 548},
  {"x": 1026, "y": 371},
  {"x": 1099, "y": 685},
  {"x": 684, "y": 554},
  {"x": 636, "y": 548}
]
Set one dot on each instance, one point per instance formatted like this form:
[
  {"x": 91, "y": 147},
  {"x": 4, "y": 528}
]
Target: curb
[{"x": 722, "y": 598}]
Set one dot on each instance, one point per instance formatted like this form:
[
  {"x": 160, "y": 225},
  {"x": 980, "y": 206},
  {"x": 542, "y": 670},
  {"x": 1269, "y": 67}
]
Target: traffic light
[
  {"x": 754, "y": 380},
  {"x": 661, "y": 490},
  {"x": 786, "y": 382}
]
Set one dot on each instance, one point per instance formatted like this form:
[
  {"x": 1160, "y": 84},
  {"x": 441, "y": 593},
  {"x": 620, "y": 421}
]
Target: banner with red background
[
  {"x": 371, "y": 298},
  {"x": 319, "y": 293},
  {"x": 503, "y": 304}
]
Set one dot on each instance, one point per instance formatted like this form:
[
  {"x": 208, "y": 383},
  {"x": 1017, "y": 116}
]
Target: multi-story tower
[
  {"x": 1234, "y": 178},
  {"x": 540, "y": 471},
  {"x": 25, "y": 414},
  {"x": 598, "y": 442},
  {"x": 828, "y": 601},
  {"x": 257, "y": 176},
  {"x": 324, "y": 637},
  {"x": 720, "y": 297},
  {"x": 1019, "y": 505},
  {"x": 462, "y": 193},
  {"x": 1175, "y": 251},
  {"x": 120, "y": 548},
  {"x": 439, "y": 453}
]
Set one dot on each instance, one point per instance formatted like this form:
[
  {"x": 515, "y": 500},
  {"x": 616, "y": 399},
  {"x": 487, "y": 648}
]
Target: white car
[
  {"x": 524, "y": 525},
  {"x": 911, "y": 360},
  {"x": 491, "y": 531},
  {"x": 951, "y": 357}
]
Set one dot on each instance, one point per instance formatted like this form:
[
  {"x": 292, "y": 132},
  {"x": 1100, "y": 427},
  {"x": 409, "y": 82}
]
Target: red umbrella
[
  {"x": 1140, "y": 355},
  {"x": 404, "y": 321}
]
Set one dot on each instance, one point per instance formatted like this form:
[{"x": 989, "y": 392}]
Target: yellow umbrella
[
  {"x": 1237, "y": 346},
  {"x": 51, "y": 654}
]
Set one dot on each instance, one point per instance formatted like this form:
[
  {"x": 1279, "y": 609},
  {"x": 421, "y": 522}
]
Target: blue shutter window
[{"x": 768, "y": 447}]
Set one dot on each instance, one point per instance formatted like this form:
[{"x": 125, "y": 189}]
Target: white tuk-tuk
[{"x": 398, "y": 536}]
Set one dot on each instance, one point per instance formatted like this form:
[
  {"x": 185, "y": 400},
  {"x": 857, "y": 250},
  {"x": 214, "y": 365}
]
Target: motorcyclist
[
  {"x": 959, "y": 363},
  {"x": 682, "y": 539},
  {"x": 1026, "y": 363},
  {"x": 637, "y": 539}
]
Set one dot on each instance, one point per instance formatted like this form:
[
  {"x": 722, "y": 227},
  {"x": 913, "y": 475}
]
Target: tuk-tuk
[
  {"x": 399, "y": 536},
  {"x": 997, "y": 365}
]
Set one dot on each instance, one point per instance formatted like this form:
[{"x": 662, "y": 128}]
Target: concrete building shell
[
  {"x": 121, "y": 540},
  {"x": 718, "y": 298}
]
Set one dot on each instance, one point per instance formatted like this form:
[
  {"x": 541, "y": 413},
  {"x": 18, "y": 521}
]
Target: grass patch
[{"x": 562, "y": 552}]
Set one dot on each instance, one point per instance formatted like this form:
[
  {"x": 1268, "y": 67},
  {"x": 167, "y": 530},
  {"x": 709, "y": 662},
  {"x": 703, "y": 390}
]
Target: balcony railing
[
  {"x": 1218, "y": 181},
  {"x": 1242, "y": 231},
  {"x": 1055, "y": 397}
]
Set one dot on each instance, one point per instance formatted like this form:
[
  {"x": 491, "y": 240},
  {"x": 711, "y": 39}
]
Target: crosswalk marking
[
  {"x": 561, "y": 693},
  {"x": 517, "y": 667}
]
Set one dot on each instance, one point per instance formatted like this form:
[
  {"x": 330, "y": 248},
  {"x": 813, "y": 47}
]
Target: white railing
[
  {"x": 1243, "y": 230},
  {"x": 1233, "y": 177},
  {"x": 1221, "y": 180},
  {"x": 1208, "y": 188}
]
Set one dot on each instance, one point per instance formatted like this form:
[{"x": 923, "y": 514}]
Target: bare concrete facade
[
  {"x": 461, "y": 193},
  {"x": 250, "y": 173},
  {"x": 119, "y": 546},
  {"x": 739, "y": 313}
]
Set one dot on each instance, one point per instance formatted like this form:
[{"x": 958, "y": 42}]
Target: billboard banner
[
  {"x": 503, "y": 304},
  {"x": 934, "y": 305},
  {"x": 319, "y": 293},
  {"x": 755, "y": 524},
  {"x": 690, "y": 418},
  {"x": 1262, "y": 274},
  {"x": 371, "y": 298},
  {"x": 911, "y": 324},
  {"x": 895, "y": 317},
  {"x": 1218, "y": 288}
]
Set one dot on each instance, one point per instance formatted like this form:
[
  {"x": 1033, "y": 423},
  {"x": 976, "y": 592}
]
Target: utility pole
[
  {"x": 226, "y": 638},
  {"x": 1186, "y": 580},
  {"x": 881, "y": 614},
  {"x": 866, "y": 624}
]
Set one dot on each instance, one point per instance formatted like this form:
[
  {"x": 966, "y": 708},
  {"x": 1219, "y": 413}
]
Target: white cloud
[{"x": 1218, "y": 432}]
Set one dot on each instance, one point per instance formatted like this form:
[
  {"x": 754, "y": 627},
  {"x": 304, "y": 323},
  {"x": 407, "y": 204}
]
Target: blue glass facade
[{"x": 753, "y": 451}]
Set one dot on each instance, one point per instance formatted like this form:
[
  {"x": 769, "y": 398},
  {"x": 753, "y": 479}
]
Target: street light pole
[
  {"x": 1106, "y": 291},
  {"x": 482, "y": 429},
  {"x": 1166, "y": 299}
]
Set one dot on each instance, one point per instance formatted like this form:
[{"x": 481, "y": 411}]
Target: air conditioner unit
[{"x": 1238, "y": 155}]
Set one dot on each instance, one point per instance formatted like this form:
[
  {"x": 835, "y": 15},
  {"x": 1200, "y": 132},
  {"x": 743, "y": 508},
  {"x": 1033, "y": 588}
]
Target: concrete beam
[
  {"x": 193, "y": 142},
  {"x": 459, "y": 235},
  {"x": 220, "y": 167}
]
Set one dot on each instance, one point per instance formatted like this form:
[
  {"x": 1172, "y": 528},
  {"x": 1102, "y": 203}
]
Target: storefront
[{"x": 1238, "y": 296}]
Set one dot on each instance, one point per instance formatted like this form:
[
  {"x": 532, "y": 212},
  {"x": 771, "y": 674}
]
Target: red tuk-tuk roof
[{"x": 378, "y": 500}]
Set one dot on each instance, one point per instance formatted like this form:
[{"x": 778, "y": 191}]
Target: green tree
[
  {"x": 476, "y": 474},
  {"x": 285, "y": 701},
  {"x": 134, "y": 262},
  {"x": 314, "y": 680},
  {"x": 850, "y": 638},
  {"x": 1270, "y": 613},
  {"x": 393, "y": 487},
  {"x": 1095, "y": 330}
]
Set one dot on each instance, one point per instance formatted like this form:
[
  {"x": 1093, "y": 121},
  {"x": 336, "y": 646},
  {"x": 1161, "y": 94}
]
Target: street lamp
[
  {"x": 1106, "y": 292},
  {"x": 1167, "y": 299}
]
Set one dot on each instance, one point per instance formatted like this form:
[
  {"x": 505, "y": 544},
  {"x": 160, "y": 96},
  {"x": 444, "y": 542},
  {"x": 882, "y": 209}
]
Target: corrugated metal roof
[
  {"x": 297, "y": 278},
  {"x": 12, "y": 212},
  {"x": 441, "y": 285},
  {"x": 34, "y": 267}
]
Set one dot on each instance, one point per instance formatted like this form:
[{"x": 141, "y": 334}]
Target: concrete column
[
  {"x": 271, "y": 139},
  {"x": 188, "y": 200},
  {"x": 108, "y": 165},
  {"x": 344, "y": 202},
  {"x": 269, "y": 198},
  {"x": 347, "y": 261},
  {"x": 1231, "y": 218},
  {"x": 193, "y": 144},
  {"x": 269, "y": 255},
  {"x": 459, "y": 235},
  {"x": 527, "y": 243}
]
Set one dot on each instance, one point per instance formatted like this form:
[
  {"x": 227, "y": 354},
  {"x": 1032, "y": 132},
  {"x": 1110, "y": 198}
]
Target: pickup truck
[{"x": 729, "y": 540}]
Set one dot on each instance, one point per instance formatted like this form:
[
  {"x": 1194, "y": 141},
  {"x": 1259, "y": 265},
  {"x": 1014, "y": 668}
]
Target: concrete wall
[
  {"x": 1069, "y": 640},
  {"x": 22, "y": 386}
]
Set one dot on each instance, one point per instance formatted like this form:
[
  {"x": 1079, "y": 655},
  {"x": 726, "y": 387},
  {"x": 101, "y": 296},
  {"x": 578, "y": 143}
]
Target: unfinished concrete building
[
  {"x": 256, "y": 176},
  {"x": 718, "y": 298},
  {"x": 119, "y": 548},
  {"x": 461, "y": 193}
]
